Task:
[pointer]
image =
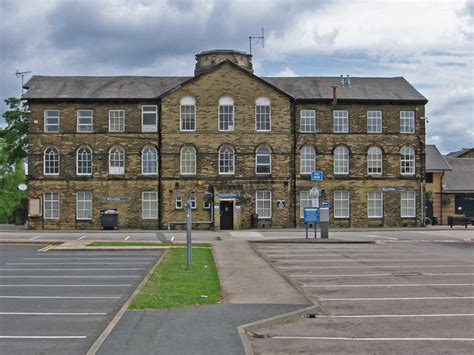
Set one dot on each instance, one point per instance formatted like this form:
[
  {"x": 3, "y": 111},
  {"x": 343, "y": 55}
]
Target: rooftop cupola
[{"x": 208, "y": 59}]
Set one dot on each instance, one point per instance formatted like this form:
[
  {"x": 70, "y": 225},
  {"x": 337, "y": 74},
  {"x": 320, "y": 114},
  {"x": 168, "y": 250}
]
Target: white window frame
[
  {"x": 308, "y": 121},
  {"x": 56, "y": 162},
  {"x": 407, "y": 163},
  {"x": 193, "y": 202},
  {"x": 221, "y": 161},
  {"x": 178, "y": 203},
  {"x": 91, "y": 124},
  {"x": 374, "y": 197},
  {"x": 46, "y": 124},
  {"x": 374, "y": 122},
  {"x": 149, "y": 204},
  {"x": 226, "y": 113},
  {"x": 49, "y": 213},
  {"x": 206, "y": 204},
  {"x": 342, "y": 204},
  {"x": 153, "y": 163},
  {"x": 305, "y": 201},
  {"x": 117, "y": 170},
  {"x": 374, "y": 161},
  {"x": 263, "y": 102},
  {"x": 187, "y": 103},
  {"x": 82, "y": 204},
  {"x": 266, "y": 198},
  {"x": 344, "y": 157},
  {"x": 340, "y": 121},
  {"x": 307, "y": 159},
  {"x": 187, "y": 159},
  {"x": 149, "y": 127},
  {"x": 116, "y": 120},
  {"x": 84, "y": 161},
  {"x": 407, "y": 122},
  {"x": 266, "y": 154},
  {"x": 408, "y": 204}
]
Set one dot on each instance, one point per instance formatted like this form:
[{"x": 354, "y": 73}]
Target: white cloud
[{"x": 285, "y": 72}]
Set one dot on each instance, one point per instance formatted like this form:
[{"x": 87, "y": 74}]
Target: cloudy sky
[{"x": 430, "y": 43}]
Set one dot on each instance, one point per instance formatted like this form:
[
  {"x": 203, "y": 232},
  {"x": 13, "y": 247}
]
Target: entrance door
[{"x": 227, "y": 214}]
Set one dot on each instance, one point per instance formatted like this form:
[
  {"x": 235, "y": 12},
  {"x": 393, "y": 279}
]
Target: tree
[
  {"x": 11, "y": 199},
  {"x": 14, "y": 138}
]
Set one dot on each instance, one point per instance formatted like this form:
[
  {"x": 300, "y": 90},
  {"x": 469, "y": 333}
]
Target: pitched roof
[
  {"x": 459, "y": 153},
  {"x": 459, "y": 179},
  {"x": 149, "y": 87},
  {"x": 434, "y": 160}
]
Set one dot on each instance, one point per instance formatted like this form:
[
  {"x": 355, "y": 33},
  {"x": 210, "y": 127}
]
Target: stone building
[{"x": 234, "y": 143}]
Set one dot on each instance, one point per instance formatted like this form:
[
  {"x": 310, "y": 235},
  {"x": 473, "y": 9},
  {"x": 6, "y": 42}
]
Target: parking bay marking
[
  {"x": 84, "y": 263},
  {"x": 355, "y": 260},
  {"x": 371, "y": 266},
  {"x": 398, "y": 315},
  {"x": 33, "y": 238},
  {"x": 43, "y": 337},
  {"x": 398, "y": 298},
  {"x": 50, "y": 314},
  {"x": 101, "y": 269},
  {"x": 121, "y": 285},
  {"x": 91, "y": 258},
  {"x": 66, "y": 277},
  {"x": 388, "y": 285},
  {"x": 62, "y": 297},
  {"x": 371, "y": 339},
  {"x": 385, "y": 274}
]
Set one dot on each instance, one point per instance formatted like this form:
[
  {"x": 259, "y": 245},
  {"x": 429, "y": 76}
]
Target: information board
[{"x": 311, "y": 215}]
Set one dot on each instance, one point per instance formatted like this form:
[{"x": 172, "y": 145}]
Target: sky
[{"x": 430, "y": 43}]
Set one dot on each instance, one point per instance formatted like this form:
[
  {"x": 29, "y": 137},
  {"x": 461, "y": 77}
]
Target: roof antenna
[
  {"x": 22, "y": 74},
  {"x": 255, "y": 40}
]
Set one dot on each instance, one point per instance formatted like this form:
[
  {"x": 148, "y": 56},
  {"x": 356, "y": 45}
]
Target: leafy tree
[
  {"x": 14, "y": 138},
  {"x": 11, "y": 199}
]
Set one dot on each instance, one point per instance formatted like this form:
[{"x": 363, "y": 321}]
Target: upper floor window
[
  {"x": 407, "y": 122},
  {"x": 226, "y": 160},
  {"x": 407, "y": 161},
  {"x": 117, "y": 160},
  {"x": 374, "y": 160},
  {"x": 116, "y": 120},
  {"x": 149, "y": 160},
  {"x": 84, "y": 161},
  {"x": 188, "y": 160},
  {"x": 263, "y": 160},
  {"x": 307, "y": 159},
  {"x": 84, "y": 120},
  {"x": 374, "y": 121},
  {"x": 341, "y": 160},
  {"x": 226, "y": 114},
  {"x": 340, "y": 121},
  {"x": 51, "y": 161},
  {"x": 51, "y": 121},
  {"x": 263, "y": 114},
  {"x": 308, "y": 121},
  {"x": 149, "y": 118},
  {"x": 187, "y": 114}
]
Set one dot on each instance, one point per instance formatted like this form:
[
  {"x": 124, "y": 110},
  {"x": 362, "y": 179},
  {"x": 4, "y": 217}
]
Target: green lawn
[
  {"x": 174, "y": 285},
  {"x": 143, "y": 244}
]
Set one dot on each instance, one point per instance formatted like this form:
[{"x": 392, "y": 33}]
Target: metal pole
[
  {"x": 315, "y": 228},
  {"x": 306, "y": 230},
  {"x": 188, "y": 234}
]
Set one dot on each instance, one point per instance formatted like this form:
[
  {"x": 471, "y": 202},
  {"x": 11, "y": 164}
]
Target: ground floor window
[
  {"x": 192, "y": 202},
  {"x": 263, "y": 202},
  {"x": 375, "y": 204},
  {"x": 305, "y": 201},
  {"x": 51, "y": 205},
  {"x": 341, "y": 204},
  {"x": 407, "y": 204},
  {"x": 178, "y": 203},
  {"x": 84, "y": 205},
  {"x": 149, "y": 204}
]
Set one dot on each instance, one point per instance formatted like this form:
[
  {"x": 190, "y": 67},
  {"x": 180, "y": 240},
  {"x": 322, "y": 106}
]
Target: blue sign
[
  {"x": 393, "y": 189},
  {"x": 228, "y": 195},
  {"x": 311, "y": 215},
  {"x": 324, "y": 204},
  {"x": 317, "y": 175},
  {"x": 115, "y": 198}
]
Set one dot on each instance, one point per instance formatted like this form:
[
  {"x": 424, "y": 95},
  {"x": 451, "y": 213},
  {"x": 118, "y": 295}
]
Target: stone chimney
[{"x": 208, "y": 59}]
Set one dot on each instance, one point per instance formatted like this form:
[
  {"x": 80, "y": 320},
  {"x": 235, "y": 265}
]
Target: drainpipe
[
  {"x": 441, "y": 198},
  {"x": 334, "y": 95},
  {"x": 294, "y": 157}
]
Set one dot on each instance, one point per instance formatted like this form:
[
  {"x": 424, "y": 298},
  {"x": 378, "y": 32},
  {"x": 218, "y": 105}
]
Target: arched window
[
  {"x": 341, "y": 160},
  {"x": 374, "y": 160},
  {"x": 116, "y": 160},
  {"x": 188, "y": 160},
  {"x": 307, "y": 159},
  {"x": 226, "y": 114},
  {"x": 263, "y": 160},
  {"x": 407, "y": 161},
  {"x": 187, "y": 113},
  {"x": 51, "y": 161},
  {"x": 226, "y": 160},
  {"x": 263, "y": 114},
  {"x": 149, "y": 160},
  {"x": 84, "y": 161}
]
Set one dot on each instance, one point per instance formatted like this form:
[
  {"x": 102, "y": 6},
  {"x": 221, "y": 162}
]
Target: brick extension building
[{"x": 237, "y": 143}]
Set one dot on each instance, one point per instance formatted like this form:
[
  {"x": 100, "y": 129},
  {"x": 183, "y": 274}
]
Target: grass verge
[
  {"x": 143, "y": 244},
  {"x": 174, "y": 285}
]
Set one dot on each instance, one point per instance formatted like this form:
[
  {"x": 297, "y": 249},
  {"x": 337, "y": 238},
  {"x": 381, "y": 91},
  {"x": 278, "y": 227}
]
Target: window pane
[
  {"x": 264, "y": 204},
  {"x": 407, "y": 121},
  {"x": 84, "y": 161},
  {"x": 51, "y": 205},
  {"x": 341, "y": 160},
  {"x": 188, "y": 117},
  {"x": 305, "y": 201},
  {"x": 84, "y": 205},
  {"x": 116, "y": 121},
  {"x": 263, "y": 160},
  {"x": 307, "y": 160},
  {"x": 226, "y": 117},
  {"x": 374, "y": 121},
  {"x": 375, "y": 204},
  {"x": 341, "y": 204},
  {"x": 149, "y": 161},
  {"x": 341, "y": 121},
  {"x": 262, "y": 118},
  {"x": 149, "y": 205},
  {"x": 226, "y": 160},
  {"x": 407, "y": 204},
  {"x": 51, "y": 161},
  {"x": 51, "y": 120},
  {"x": 374, "y": 160},
  {"x": 308, "y": 121}
]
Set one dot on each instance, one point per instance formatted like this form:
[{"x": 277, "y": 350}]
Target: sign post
[{"x": 189, "y": 226}]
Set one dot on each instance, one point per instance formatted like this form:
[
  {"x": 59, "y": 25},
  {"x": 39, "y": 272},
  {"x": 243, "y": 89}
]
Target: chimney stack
[
  {"x": 334, "y": 95},
  {"x": 348, "y": 80}
]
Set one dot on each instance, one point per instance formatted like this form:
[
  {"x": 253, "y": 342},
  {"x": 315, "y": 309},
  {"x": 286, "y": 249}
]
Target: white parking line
[
  {"x": 377, "y": 236},
  {"x": 384, "y": 274},
  {"x": 399, "y": 298},
  {"x": 81, "y": 237},
  {"x": 340, "y": 255},
  {"x": 355, "y": 260},
  {"x": 127, "y": 237},
  {"x": 371, "y": 266},
  {"x": 373, "y": 339},
  {"x": 43, "y": 337},
  {"x": 388, "y": 285},
  {"x": 91, "y": 258},
  {"x": 100, "y": 269},
  {"x": 49, "y": 314},
  {"x": 172, "y": 239},
  {"x": 122, "y": 285},
  {"x": 399, "y": 315},
  {"x": 33, "y": 238},
  {"x": 62, "y": 297},
  {"x": 66, "y": 277},
  {"x": 83, "y": 263}
]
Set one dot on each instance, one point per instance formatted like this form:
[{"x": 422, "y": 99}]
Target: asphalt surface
[
  {"x": 192, "y": 330},
  {"x": 402, "y": 296},
  {"x": 60, "y": 302}
]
